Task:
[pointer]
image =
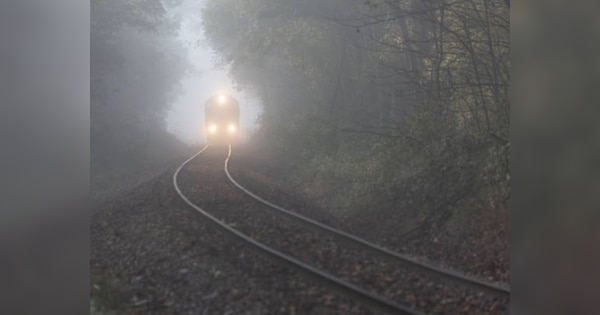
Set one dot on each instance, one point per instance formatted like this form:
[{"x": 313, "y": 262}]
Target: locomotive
[{"x": 222, "y": 118}]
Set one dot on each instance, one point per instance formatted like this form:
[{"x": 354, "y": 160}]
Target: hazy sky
[{"x": 186, "y": 116}]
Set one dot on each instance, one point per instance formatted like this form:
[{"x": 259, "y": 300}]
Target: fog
[
  {"x": 205, "y": 78},
  {"x": 368, "y": 128},
  {"x": 374, "y": 108},
  {"x": 151, "y": 72}
]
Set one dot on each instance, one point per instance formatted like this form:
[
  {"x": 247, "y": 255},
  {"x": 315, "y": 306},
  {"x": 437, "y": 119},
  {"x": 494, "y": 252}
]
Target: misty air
[{"x": 299, "y": 157}]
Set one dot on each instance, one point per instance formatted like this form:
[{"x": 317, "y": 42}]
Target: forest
[
  {"x": 136, "y": 65},
  {"x": 397, "y": 110},
  {"x": 382, "y": 111}
]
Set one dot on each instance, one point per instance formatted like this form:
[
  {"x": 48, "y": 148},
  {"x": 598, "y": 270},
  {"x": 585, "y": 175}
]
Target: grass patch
[{"x": 106, "y": 295}]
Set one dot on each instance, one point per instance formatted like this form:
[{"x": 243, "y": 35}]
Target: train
[{"x": 222, "y": 119}]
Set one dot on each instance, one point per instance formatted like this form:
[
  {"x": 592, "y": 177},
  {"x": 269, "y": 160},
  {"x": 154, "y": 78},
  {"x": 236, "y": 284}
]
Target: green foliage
[
  {"x": 397, "y": 104},
  {"x": 105, "y": 297},
  {"x": 135, "y": 67}
]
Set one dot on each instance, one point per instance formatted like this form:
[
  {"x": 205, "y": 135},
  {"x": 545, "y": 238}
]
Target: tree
[
  {"x": 136, "y": 63},
  {"x": 415, "y": 92}
]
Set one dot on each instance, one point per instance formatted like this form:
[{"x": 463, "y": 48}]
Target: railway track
[{"x": 384, "y": 281}]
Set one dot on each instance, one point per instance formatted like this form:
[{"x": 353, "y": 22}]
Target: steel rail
[
  {"x": 374, "y": 248},
  {"x": 368, "y": 298}
]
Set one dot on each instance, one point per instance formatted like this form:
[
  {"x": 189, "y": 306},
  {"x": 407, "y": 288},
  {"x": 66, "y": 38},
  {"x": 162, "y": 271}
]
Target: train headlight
[
  {"x": 231, "y": 128},
  {"x": 212, "y": 128},
  {"x": 221, "y": 99}
]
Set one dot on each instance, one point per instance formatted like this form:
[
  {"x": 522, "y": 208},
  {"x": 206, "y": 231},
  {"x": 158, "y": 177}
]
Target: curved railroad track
[{"x": 370, "y": 290}]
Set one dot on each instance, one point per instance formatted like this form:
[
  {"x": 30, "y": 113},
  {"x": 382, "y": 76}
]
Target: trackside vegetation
[{"x": 383, "y": 109}]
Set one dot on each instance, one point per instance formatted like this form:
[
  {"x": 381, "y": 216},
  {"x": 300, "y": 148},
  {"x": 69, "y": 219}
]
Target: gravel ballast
[{"x": 151, "y": 253}]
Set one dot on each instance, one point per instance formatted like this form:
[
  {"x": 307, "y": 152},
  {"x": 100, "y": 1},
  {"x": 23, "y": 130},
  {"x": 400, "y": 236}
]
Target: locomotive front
[{"x": 222, "y": 116}]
